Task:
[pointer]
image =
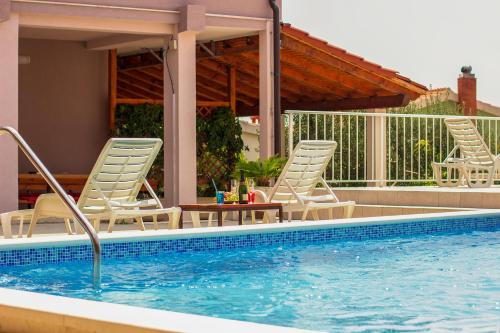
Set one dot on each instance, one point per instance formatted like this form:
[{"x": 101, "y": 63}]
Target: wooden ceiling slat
[
  {"x": 345, "y": 81},
  {"x": 124, "y": 93},
  {"x": 289, "y": 42},
  {"x": 141, "y": 85},
  {"x": 248, "y": 74},
  {"x": 206, "y": 70},
  {"x": 209, "y": 91},
  {"x": 314, "y": 75},
  {"x": 221, "y": 89},
  {"x": 144, "y": 93},
  {"x": 302, "y": 76},
  {"x": 154, "y": 71},
  {"x": 204, "y": 95},
  {"x": 140, "y": 78},
  {"x": 251, "y": 70}
]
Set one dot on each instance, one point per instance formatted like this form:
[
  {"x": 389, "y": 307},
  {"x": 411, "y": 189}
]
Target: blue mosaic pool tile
[{"x": 217, "y": 242}]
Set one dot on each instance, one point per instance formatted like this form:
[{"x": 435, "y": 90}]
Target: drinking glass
[
  {"x": 234, "y": 185},
  {"x": 220, "y": 197}
]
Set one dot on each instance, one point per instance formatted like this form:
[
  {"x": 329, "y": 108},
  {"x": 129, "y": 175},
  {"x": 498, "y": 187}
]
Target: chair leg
[
  {"x": 315, "y": 215},
  {"x": 67, "y": 224},
  {"x": 174, "y": 219},
  {"x": 155, "y": 221},
  {"x": 97, "y": 225},
  {"x": 304, "y": 214},
  {"x": 195, "y": 218},
  {"x": 290, "y": 214},
  {"x": 21, "y": 227},
  {"x": 140, "y": 223},
  {"x": 210, "y": 216},
  {"x": 6, "y": 226},
  {"x": 265, "y": 218},
  {"x": 78, "y": 228},
  {"x": 269, "y": 217},
  {"x": 348, "y": 210},
  {"x": 31, "y": 229},
  {"x": 224, "y": 215},
  {"x": 252, "y": 213},
  {"x": 330, "y": 213}
]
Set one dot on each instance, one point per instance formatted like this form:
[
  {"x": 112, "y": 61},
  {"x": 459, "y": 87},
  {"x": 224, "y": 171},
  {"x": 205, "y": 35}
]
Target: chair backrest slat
[
  {"x": 118, "y": 172},
  {"x": 469, "y": 140},
  {"x": 304, "y": 169}
]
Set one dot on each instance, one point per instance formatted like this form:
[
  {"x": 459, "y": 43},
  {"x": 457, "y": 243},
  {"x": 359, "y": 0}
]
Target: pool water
[{"x": 424, "y": 283}]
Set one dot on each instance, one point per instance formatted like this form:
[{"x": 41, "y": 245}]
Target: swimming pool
[{"x": 411, "y": 276}]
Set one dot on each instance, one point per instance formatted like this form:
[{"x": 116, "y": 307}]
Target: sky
[{"x": 425, "y": 40}]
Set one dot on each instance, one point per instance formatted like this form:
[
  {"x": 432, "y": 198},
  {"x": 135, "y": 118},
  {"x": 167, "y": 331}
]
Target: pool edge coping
[
  {"x": 171, "y": 234},
  {"x": 38, "y": 312}
]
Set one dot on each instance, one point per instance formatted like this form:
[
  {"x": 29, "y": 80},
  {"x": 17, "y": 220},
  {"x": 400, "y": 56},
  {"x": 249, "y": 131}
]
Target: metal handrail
[{"x": 70, "y": 204}]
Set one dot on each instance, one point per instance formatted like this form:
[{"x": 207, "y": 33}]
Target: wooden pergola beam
[
  {"x": 351, "y": 103},
  {"x": 137, "y": 101},
  {"x": 232, "y": 88}
]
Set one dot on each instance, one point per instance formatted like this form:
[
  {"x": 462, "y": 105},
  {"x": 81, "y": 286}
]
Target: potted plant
[{"x": 264, "y": 172}]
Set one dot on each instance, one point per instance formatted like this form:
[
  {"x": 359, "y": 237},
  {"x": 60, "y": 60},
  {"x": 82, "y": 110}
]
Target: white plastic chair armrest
[
  {"x": 133, "y": 204},
  {"x": 318, "y": 198},
  {"x": 261, "y": 196}
]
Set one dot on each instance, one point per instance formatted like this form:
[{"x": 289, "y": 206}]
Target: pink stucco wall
[{"x": 63, "y": 104}]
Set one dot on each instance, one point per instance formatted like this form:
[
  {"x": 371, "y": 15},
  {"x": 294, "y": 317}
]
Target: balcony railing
[{"x": 382, "y": 148}]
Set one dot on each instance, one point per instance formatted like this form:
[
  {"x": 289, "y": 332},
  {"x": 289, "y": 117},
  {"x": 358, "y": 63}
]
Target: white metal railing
[{"x": 382, "y": 148}]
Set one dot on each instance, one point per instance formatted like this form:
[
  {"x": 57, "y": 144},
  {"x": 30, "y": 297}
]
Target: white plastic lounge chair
[
  {"x": 297, "y": 182},
  {"x": 476, "y": 164},
  {"x": 112, "y": 188}
]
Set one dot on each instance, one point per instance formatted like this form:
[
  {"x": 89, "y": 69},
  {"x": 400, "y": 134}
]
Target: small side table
[{"x": 240, "y": 208}]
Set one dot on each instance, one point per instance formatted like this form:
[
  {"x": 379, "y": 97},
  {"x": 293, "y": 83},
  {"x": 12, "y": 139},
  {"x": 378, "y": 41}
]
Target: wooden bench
[{"x": 31, "y": 185}]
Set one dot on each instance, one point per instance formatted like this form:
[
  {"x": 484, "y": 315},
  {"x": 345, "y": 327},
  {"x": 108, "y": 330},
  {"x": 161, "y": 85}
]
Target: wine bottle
[{"x": 243, "y": 189}]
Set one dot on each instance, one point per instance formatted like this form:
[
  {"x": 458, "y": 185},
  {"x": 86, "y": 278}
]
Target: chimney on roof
[{"x": 467, "y": 91}]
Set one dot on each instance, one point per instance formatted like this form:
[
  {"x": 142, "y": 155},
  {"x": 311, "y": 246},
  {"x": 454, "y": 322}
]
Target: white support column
[
  {"x": 180, "y": 120},
  {"x": 9, "y": 92},
  {"x": 376, "y": 149},
  {"x": 266, "y": 115}
]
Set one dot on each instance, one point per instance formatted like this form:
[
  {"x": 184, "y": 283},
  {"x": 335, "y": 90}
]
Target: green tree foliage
[
  {"x": 218, "y": 140},
  {"x": 218, "y": 147},
  {"x": 143, "y": 121}
]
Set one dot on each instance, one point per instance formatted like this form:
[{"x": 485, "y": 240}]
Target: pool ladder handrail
[{"x": 69, "y": 202}]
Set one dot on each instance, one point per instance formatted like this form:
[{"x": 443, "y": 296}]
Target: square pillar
[
  {"x": 376, "y": 149},
  {"x": 9, "y": 92},
  {"x": 180, "y": 119},
  {"x": 266, "y": 114}
]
